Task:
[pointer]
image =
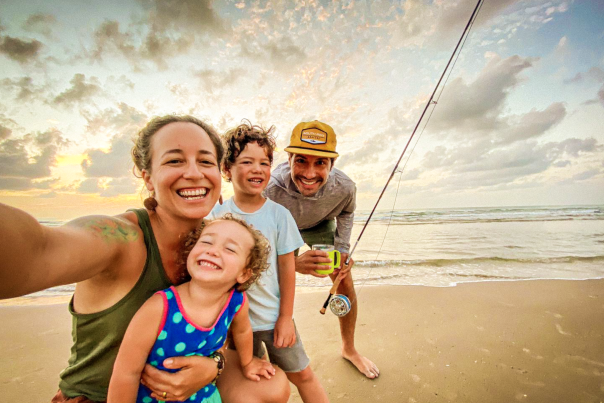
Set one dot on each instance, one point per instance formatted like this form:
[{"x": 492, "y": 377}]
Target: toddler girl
[{"x": 223, "y": 257}]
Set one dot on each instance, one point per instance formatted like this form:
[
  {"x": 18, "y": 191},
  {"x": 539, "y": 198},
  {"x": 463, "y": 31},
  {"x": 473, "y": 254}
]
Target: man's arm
[{"x": 344, "y": 223}]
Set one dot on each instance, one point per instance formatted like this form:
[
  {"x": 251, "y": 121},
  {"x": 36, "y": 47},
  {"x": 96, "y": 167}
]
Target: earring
[{"x": 150, "y": 203}]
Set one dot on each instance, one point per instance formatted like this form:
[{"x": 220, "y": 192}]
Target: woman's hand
[
  {"x": 257, "y": 368},
  {"x": 195, "y": 372}
]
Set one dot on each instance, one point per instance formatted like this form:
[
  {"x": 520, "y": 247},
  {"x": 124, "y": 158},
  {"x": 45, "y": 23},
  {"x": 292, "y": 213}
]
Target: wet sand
[{"x": 529, "y": 341}]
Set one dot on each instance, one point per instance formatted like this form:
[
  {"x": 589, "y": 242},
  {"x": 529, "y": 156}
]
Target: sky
[{"x": 519, "y": 121}]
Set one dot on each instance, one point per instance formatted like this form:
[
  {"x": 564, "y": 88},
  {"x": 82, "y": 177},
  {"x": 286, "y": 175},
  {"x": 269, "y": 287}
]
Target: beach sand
[{"x": 529, "y": 341}]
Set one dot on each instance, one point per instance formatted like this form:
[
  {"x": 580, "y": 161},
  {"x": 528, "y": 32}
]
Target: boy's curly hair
[
  {"x": 237, "y": 138},
  {"x": 257, "y": 260}
]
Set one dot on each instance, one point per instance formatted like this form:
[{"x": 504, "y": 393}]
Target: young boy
[{"x": 247, "y": 164}]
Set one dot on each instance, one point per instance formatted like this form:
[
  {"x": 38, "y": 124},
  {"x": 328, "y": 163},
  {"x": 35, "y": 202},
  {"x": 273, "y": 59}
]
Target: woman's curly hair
[
  {"x": 257, "y": 260},
  {"x": 237, "y": 138}
]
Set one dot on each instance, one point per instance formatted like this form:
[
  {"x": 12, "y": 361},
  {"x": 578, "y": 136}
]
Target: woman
[{"x": 118, "y": 262}]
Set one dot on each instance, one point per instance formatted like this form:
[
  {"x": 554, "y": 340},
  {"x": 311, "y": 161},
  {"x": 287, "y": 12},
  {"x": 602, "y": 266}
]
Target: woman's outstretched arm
[{"x": 35, "y": 257}]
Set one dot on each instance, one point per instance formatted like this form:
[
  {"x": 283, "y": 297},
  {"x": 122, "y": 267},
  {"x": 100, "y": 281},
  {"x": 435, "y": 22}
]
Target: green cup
[{"x": 334, "y": 255}]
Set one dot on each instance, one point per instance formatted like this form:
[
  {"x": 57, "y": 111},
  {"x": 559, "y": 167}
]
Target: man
[{"x": 321, "y": 199}]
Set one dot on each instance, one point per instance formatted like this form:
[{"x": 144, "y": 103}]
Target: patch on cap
[{"x": 313, "y": 136}]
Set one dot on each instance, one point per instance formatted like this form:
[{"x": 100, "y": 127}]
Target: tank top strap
[
  {"x": 153, "y": 255},
  {"x": 233, "y": 308}
]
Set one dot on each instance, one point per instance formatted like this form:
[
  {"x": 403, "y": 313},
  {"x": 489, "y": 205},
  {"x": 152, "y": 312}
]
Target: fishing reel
[{"x": 340, "y": 305}]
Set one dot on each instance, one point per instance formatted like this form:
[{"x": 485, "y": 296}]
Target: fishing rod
[{"x": 343, "y": 306}]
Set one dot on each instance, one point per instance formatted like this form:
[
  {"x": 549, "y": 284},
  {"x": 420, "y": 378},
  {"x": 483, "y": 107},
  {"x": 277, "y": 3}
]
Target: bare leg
[
  {"x": 347, "y": 328},
  {"x": 309, "y": 386},
  {"x": 236, "y": 388}
]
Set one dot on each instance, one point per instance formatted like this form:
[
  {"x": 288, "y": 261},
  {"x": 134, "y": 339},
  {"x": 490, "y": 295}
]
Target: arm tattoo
[{"x": 108, "y": 229}]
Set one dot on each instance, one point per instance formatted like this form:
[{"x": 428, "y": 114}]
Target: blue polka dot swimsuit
[{"x": 179, "y": 336}]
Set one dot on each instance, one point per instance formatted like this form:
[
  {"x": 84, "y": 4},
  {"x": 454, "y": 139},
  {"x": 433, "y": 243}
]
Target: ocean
[{"x": 445, "y": 247}]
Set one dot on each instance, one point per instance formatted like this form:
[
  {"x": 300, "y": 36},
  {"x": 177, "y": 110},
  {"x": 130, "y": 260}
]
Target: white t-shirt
[{"x": 279, "y": 227}]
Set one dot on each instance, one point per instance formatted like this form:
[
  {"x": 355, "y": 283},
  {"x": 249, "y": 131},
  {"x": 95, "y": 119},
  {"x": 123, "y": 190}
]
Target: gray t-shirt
[{"x": 336, "y": 199}]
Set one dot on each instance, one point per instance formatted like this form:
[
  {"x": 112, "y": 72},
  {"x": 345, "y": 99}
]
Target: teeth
[
  {"x": 208, "y": 264},
  {"x": 193, "y": 193},
  {"x": 308, "y": 182},
  {"x": 256, "y": 180}
]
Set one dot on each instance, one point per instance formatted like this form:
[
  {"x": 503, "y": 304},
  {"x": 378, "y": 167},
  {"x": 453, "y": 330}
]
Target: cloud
[
  {"x": 125, "y": 120},
  {"x": 120, "y": 186},
  {"x": 574, "y": 147},
  {"x": 213, "y": 80},
  {"x": 108, "y": 172},
  {"x": 40, "y": 23},
  {"x": 108, "y": 38},
  {"x": 80, "y": 91},
  {"x": 594, "y": 74},
  {"x": 423, "y": 21},
  {"x": 581, "y": 176},
  {"x": 532, "y": 124},
  {"x": 5, "y": 132},
  {"x": 114, "y": 163},
  {"x": 89, "y": 186},
  {"x": 25, "y": 88},
  {"x": 397, "y": 129},
  {"x": 476, "y": 105},
  {"x": 193, "y": 16},
  {"x": 456, "y": 16},
  {"x": 156, "y": 46},
  {"x": 478, "y": 165},
  {"x": 282, "y": 53},
  {"x": 563, "y": 49},
  {"x": 22, "y": 51},
  {"x": 109, "y": 188},
  {"x": 25, "y": 163},
  {"x": 168, "y": 28}
]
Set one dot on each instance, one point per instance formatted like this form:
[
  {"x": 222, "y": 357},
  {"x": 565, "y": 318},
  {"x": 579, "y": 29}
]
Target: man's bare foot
[{"x": 363, "y": 364}]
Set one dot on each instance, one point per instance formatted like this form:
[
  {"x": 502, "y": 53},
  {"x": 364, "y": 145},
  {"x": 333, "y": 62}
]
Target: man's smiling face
[{"x": 309, "y": 172}]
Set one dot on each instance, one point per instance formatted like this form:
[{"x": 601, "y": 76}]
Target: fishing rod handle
[
  {"x": 322, "y": 311},
  {"x": 332, "y": 291}
]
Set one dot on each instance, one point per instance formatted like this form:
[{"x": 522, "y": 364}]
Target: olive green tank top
[{"x": 97, "y": 336}]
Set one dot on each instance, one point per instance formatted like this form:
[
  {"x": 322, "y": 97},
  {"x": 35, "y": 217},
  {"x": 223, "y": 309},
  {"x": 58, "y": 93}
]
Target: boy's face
[
  {"x": 220, "y": 256},
  {"x": 309, "y": 172},
  {"x": 251, "y": 171}
]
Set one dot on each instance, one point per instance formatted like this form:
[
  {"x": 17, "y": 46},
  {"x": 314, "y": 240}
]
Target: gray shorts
[{"x": 289, "y": 359}]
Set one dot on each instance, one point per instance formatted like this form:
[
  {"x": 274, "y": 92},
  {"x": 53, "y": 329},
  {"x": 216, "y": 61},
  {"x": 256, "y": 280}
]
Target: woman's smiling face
[{"x": 184, "y": 171}]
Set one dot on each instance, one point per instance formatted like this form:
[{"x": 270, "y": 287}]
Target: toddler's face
[
  {"x": 221, "y": 253},
  {"x": 251, "y": 171}
]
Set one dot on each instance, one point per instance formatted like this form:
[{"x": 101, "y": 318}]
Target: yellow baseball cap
[{"x": 313, "y": 138}]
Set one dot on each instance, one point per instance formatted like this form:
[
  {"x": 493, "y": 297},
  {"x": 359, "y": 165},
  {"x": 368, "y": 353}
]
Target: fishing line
[
  {"x": 343, "y": 304},
  {"x": 402, "y": 170}
]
